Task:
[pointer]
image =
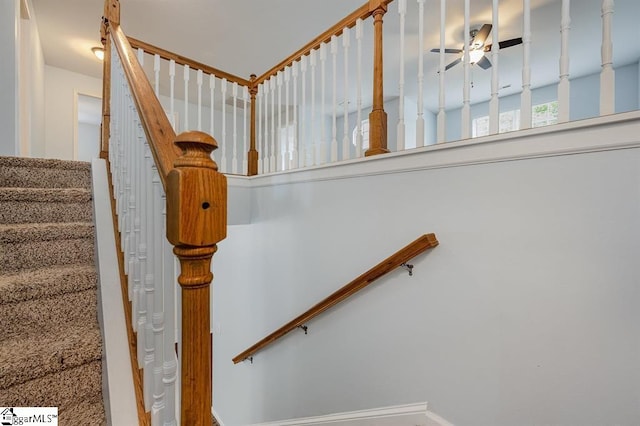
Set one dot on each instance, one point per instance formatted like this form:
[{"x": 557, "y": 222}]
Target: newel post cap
[{"x": 196, "y": 194}]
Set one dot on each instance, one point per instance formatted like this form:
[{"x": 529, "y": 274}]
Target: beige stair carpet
[{"x": 50, "y": 341}]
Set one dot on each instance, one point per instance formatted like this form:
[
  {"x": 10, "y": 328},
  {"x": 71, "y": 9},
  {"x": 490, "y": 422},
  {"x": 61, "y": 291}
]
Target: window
[
  {"x": 364, "y": 128},
  {"x": 541, "y": 115}
]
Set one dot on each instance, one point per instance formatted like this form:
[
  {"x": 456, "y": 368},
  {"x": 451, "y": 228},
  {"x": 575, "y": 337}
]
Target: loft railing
[
  {"x": 312, "y": 108},
  {"x": 168, "y": 197},
  {"x": 401, "y": 257}
]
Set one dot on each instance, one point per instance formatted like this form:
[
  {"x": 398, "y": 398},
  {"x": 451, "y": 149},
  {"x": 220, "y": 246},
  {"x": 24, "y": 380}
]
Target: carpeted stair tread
[
  {"x": 44, "y": 173},
  {"x": 46, "y": 282},
  {"x": 22, "y": 205},
  {"x": 89, "y": 412},
  {"x": 44, "y": 163},
  {"x": 45, "y": 314},
  {"x": 46, "y": 195},
  {"x": 32, "y": 246},
  {"x": 60, "y": 390},
  {"x": 27, "y": 232},
  {"x": 24, "y": 359}
]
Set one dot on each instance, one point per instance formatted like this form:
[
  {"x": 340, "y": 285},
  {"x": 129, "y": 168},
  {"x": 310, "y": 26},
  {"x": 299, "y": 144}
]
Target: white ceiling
[{"x": 250, "y": 36}]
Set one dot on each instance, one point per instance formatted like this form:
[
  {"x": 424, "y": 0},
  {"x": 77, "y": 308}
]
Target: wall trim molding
[
  {"x": 374, "y": 413},
  {"x": 118, "y": 392},
  {"x": 613, "y": 132}
]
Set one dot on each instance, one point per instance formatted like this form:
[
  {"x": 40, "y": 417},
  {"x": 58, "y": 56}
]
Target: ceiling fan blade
[
  {"x": 505, "y": 43},
  {"x": 453, "y": 64},
  {"x": 482, "y": 35},
  {"x": 508, "y": 43},
  {"x": 447, "y": 50},
  {"x": 484, "y": 63}
]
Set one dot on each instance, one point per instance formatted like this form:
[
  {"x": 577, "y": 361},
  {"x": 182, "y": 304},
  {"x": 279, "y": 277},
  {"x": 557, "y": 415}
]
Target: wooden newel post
[
  {"x": 377, "y": 117},
  {"x": 196, "y": 221},
  {"x": 252, "y": 159}
]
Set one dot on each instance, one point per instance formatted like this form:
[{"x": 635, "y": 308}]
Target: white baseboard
[{"x": 418, "y": 410}]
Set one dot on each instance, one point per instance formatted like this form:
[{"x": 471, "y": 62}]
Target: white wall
[
  {"x": 525, "y": 314},
  {"x": 9, "y": 76},
  {"x": 61, "y": 88}
]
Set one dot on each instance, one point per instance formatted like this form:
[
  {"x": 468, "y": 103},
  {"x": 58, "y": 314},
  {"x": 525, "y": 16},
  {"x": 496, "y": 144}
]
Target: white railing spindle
[
  {"x": 607, "y": 75},
  {"x": 245, "y": 145},
  {"x": 302, "y": 144},
  {"x": 359, "y": 34},
  {"x": 441, "y": 114},
  {"x": 402, "y": 11},
  {"x": 314, "y": 138},
  {"x": 185, "y": 121},
  {"x": 172, "y": 84},
  {"x": 199, "y": 76},
  {"x": 563, "y": 85},
  {"x": 525, "y": 98},
  {"x": 295, "y": 151},
  {"x": 156, "y": 72},
  {"x": 223, "y": 100},
  {"x": 494, "y": 103},
  {"x": 346, "y": 149},
  {"x": 279, "y": 143},
  {"x": 334, "y": 98},
  {"x": 420, "y": 118},
  {"x": 466, "y": 85},
  {"x": 234, "y": 159},
  {"x": 274, "y": 144},
  {"x": 321, "y": 155},
  {"x": 259, "y": 125}
]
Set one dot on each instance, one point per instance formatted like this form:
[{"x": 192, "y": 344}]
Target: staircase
[{"x": 50, "y": 341}]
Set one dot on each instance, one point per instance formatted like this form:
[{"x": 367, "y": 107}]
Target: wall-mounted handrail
[
  {"x": 183, "y": 60},
  {"x": 403, "y": 255}
]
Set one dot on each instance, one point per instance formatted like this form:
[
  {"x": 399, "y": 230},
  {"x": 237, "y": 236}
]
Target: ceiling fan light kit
[{"x": 477, "y": 48}]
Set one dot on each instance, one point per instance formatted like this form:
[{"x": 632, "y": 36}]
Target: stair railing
[
  {"x": 399, "y": 258},
  {"x": 212, "y": 100},
  {"x": 164, "y": 186}
]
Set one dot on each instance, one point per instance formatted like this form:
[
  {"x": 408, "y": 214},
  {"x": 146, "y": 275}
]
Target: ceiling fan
[{"x": 477, "y": 48}]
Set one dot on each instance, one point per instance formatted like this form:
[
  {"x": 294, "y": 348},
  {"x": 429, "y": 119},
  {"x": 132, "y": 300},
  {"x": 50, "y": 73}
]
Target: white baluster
[
  {"x": 142, "y": 252},
  {"x": 466, "y": 87},
  {"x": 157, "y": 410},
  {"x": 420, "y": 118},
  {"x": 172, "y": 79},
  {"x": 223, "y": 100},
  {"x": 494, "y": 104},
  {"x": 212, "y": 98},
  {"x": 321, "y": 155},
  {"x": 245, "y": 98},
  {"x": 334, "y": 114},
  {"x": 266, "y": 166},
  {"x": 272, "y": 159},
  {"x": 156, "y": 72},
  {"x": 185, "y": 125},
  {"x": 607, "y": 75},
  {"x": 302, "y": 144},
  {"x": 402, "y": 11},
  {"x": 149, "y": 348},
  {"x": 441, "y": 132},
  {"x": 563, "y": 85},
  {"x": 359, "y": 34},
  {"x": 170, "y": 363},
  {"x": 286, "y": 159},
  {"x": 199, "y": 83},
  {"x": 525, "y": 98},
  {"x": 314, "y": 149},
  {"x": 294, "y": 153},
  {"x": 140, "y": 56},
  {"x": 346, "y": 143},
  {"x": 234, "y": 160},
  {"x": 259, "y": 125},
  {"x": 279, "y": 145}
]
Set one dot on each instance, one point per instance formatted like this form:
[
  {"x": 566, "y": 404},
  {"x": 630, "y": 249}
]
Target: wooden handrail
[
  {"x": 349, "y": 21},
  {"x": 154, "y": 120},
  {"x": 403, "y": 255},
  {"x": 183, "y": 60}
]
